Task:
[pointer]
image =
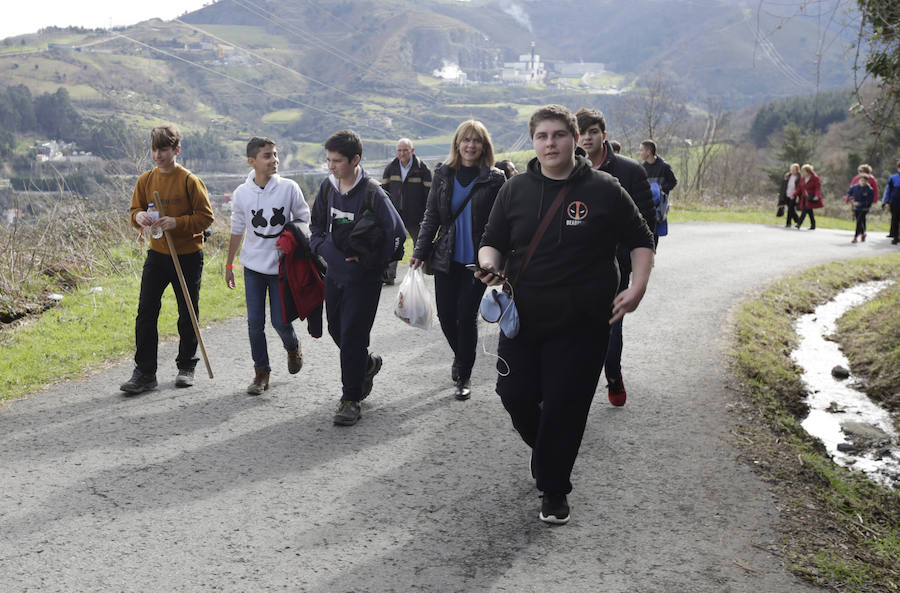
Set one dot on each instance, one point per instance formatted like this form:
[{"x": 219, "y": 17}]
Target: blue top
[
  {"x": 862, "y": 195},
  {"x": 464, "y": 250},
  {"x": 892, "y": 189}
]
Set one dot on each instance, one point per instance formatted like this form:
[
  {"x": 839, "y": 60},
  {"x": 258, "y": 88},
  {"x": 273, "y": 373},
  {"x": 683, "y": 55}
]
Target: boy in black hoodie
[
  {"x": 357, "y": 231},
  {"x": 565, "y": 296}
]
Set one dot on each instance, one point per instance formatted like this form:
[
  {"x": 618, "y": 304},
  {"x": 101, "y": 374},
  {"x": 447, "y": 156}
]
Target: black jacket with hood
[
  {"x": 438, "y": 219},
  {"x": 573, "y": 276}
]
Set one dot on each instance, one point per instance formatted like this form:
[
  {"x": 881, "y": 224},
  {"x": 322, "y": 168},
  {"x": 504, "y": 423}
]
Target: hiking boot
[
  {"x": 260, "y": 382},
  {"x": 554, "y": 509},
  {"x": 295, "y": 360},
  {"x": 138, "y": 383},
  {"x": 462, "y": 390},
  {"x": 347, "y": 413},
  {"x": 184, "y": 378},
  {"x": 616, "y": 391},
  {"x": 369, "y": 378}
]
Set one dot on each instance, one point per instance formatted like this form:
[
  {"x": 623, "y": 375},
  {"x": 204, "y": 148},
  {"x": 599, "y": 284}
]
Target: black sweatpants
[
  {"x": 159, "y": 272},
  {"x": 350, "y": 310},
  {"x": 548, "y": 394},
  {"x": 895, "y": 221}
]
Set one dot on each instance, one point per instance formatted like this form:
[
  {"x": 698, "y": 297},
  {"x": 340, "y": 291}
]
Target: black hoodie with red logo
[{"x": 573, "y": 275}]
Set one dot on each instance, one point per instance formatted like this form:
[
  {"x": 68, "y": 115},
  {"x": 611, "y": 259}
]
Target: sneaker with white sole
[
  {"x": 554, "y": 509},
  {"x": 184, "y": 378}
]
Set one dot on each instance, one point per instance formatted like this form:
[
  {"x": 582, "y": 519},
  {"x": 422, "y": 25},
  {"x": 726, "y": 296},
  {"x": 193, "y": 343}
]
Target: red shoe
[
  {"x": 863, "y": 237},
  {"x": 854, "y": 239},
  {"x": 616, "y": 392}
]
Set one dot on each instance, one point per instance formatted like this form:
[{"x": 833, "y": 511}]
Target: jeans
[
  {"x": 158, "y": 273},
  {"x": 256, "y": 286},
  {"x": 458, "y": 296},
  {"x": 350, "y": 309},
  {"x": 548, "y": 394},
  {"x": 613, "y": 363}
]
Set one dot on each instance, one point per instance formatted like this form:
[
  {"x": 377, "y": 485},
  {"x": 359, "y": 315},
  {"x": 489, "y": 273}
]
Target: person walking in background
[
  {"x": 186, "y": 214},
  {"x": 508, "y": 168},
  {"x": 861, "y": 197},
  {"x": 659, "y": 172},
  {"x": 873, "y": 183},
  {"x": 810, "y": 193},
  {"x": 356, "y": 229},
  {"x": 461, "y": 197},
  {"x": 261, "y": 208},
  {"x": 407, "y": 180},
  {"x": 632, "y": 177},
  {"x": 786, "y": 197},
  {"x": 891, "y": 200},
  {"x": 565, "y": 293}
]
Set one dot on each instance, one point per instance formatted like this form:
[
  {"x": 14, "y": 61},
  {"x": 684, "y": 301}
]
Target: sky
[{"x": 20, "y": 17}]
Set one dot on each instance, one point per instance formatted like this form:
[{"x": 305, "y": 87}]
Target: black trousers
[
  {"x": 457, "y": 296},
  {"x": 548, "y": 394},
  {"x": 895, "y": 221},
  {"x": 791, "y": 213},
  {"x": 350, "y": 310},
  {"x": 860, "y": 221},
  {"x": 159, "y": 272},
  {"x": 812, "y": 218}
]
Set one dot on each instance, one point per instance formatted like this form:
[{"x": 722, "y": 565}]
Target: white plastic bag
[{"x": 414, "y": 304}]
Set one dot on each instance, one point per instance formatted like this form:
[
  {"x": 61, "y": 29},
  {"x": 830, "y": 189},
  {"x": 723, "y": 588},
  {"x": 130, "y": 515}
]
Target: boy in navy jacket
[{"x": 357, "y": 231}]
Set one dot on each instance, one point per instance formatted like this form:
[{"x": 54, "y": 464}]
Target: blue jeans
[{"x": 255, "y": 287}]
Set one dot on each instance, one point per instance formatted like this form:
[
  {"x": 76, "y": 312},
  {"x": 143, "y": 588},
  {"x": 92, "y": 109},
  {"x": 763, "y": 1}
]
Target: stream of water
[{"x": 835, "y": 402}]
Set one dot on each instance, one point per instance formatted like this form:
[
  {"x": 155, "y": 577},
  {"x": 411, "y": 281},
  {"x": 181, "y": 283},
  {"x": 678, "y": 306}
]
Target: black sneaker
[
  {"x": 554, "y": 509},
  {"x": 369, "y": 378},
  {"x": 347, "y": 413},
  {"x": 138, "y": 383},
  {"x": 463, "y": 392},
  {"x": 184, "y": 378}
]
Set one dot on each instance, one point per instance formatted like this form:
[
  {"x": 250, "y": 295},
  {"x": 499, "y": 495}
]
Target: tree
[
  {"x": 880, "y": 30},
  {"x": 22, "y": 107},
  {"x": 796, "y": 146},
  {"x": 56, "y": 116},
  {"x": 205, "y": 147}
]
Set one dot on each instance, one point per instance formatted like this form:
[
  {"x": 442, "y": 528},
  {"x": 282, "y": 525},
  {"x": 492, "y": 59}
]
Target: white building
[{"x": 528, "y": 70}]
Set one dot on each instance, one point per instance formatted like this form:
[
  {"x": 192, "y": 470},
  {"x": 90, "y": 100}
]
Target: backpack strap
[{"x": 542, "y": 228}]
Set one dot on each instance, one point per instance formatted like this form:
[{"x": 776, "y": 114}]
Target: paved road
[{"x": 208, "y": 489}]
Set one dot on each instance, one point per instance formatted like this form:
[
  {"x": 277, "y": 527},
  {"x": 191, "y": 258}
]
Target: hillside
[{"x": 299, "y": 69}]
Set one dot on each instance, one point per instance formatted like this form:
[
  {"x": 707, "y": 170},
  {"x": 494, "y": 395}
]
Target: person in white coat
[{"x": 261, "y": 207}]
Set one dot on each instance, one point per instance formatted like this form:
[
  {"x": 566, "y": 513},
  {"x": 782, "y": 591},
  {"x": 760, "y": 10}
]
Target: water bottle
[{"x": 153, "y": 213}]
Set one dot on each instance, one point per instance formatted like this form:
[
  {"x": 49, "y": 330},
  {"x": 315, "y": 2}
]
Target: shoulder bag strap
[{"x": 542, "y": 228}]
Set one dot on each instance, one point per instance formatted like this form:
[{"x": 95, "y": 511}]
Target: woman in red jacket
[{"x": 810, "y": 192}]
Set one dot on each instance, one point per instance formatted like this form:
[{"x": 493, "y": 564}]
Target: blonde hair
[
  {"x": 466, "y": 129},
  {"x": 808, "y": 168},
  {"x": 864, "y": 169}
]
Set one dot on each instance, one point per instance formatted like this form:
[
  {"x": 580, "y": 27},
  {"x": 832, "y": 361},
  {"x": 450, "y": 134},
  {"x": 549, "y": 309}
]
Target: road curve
[{"x": 208, "y": 489}]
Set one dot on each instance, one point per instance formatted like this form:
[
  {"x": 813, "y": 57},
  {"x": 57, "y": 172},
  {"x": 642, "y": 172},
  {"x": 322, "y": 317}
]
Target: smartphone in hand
[{"x": 477, "y": 268}]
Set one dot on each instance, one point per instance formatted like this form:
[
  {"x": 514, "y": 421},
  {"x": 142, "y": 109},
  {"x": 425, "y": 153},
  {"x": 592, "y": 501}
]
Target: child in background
[{"x": 861, "y": 196}]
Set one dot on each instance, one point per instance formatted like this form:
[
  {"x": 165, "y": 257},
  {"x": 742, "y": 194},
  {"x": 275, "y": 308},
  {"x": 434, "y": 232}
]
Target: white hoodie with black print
[{"x": 260, "y": 215}]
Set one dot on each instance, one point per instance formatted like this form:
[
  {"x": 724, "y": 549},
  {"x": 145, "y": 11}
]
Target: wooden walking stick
[{"x": 184, "y": 288}]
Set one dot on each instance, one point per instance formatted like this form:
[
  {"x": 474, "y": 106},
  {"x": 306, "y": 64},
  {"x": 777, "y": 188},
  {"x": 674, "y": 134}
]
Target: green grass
[
  {"x": 869, "y": 336},
  {"x": 840, "y": 529},
  {"x": 283, "y": 116},
  {"x": 92, "y": 327}
]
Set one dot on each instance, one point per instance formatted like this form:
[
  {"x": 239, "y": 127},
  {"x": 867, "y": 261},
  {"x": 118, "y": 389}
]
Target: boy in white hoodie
[{"x": 267, "y": 202}]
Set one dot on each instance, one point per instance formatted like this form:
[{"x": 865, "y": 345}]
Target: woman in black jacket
[{"x": 459, "y": 203}]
